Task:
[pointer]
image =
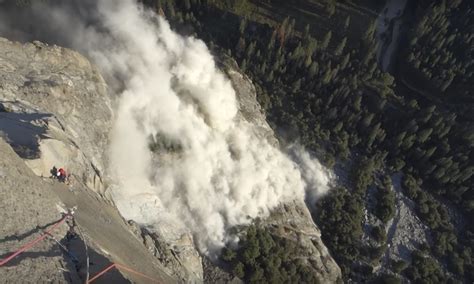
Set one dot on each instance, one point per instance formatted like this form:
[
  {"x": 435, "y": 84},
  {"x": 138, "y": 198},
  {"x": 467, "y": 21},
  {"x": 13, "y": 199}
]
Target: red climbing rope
[
  {"x": 48, "y": 233},
  {"x": 120, "y": 266},
  {"x": 35, "y": 241},
  {"x": 102, "y": 272},
  {"x": 136, "y": 272}
]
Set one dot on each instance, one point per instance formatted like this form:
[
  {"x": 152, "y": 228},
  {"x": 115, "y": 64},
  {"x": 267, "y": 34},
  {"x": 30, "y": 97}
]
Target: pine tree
[
  {"x": 240, "y": 48},
  {"x": 242, "y": 26},
  {"x": 345, "y": 61},
  {"x": 250, "y": 49},
  {"x": 306, "y": 32},
  {"x": 310, "y": 46},
  {"x": 369, "y": 33},
  {"x": 347, "y": 22},
  {"x": 270, "y": 77},
  {"x": 313, "y": 69},
  {"x": 340, "y": 47},
  {"x": 263, "y": 68},
  {"x": 291, "y": 28},
  {"x": 330, "y": 8},
  {"x": 308, "y": 61},
  {"x": 296, "y": 86},
  {"x": 282, "y": 31},
  {"x": 326, "y": 40},
  {"x": 187, "y": 5},
  {"x": 243, "y": 66}
]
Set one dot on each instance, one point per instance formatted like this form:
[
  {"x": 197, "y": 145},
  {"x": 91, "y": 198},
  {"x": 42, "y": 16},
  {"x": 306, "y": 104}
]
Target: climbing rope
[
  {"x": 121, "y": 266},
  {"x": 47, "y": 233},
  {"x": 105, "y": 270},
  {"x": 35, "y": 241}
]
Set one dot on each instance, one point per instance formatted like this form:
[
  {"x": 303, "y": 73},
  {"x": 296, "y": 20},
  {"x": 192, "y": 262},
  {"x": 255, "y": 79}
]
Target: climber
[
  {"x": 61, "y": 175},
  {"x": 54, "y": 172}
]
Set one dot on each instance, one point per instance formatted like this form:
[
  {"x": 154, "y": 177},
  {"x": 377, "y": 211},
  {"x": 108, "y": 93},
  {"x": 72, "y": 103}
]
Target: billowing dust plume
[{"x": 209, "y": 169}]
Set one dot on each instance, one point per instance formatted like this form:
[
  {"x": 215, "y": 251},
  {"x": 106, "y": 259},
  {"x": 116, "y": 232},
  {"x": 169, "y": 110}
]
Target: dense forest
[
  {"x": 326, "y": 90},
  {"x": 439, "y": 53},
  {"x": 264, "y": 257}
]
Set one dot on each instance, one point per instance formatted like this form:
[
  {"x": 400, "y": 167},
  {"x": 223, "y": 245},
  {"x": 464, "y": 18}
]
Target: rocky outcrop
[
  {"x": 31, "y": 204},
  {"x": 293, "y": 220},
  {"x": 55, "y": 110},
  {"x": 215, "y": 274},
  {"x": 405, "y": 232},
  {"x": 28, "y": 207},
  {"x": 178, "y": 255},
  {"x": 59, "y": 90},
  {"x": 249, "y": 108}
]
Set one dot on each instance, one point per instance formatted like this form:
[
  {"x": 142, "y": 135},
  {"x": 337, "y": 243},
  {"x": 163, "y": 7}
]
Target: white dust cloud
[{"x": 219, "y": 172}]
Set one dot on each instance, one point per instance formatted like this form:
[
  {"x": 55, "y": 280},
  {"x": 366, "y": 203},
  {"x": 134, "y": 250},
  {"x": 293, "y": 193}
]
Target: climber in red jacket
[{"x": 61, "y": 175}]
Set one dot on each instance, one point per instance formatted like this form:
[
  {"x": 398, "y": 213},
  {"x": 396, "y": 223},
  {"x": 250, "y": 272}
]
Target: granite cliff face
[
  {"x": 27, "y": 205},
  {"x": 292, "y": 220},
  {"x": 55, "y": 109},
  {"x": 59, "y": 90}
]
